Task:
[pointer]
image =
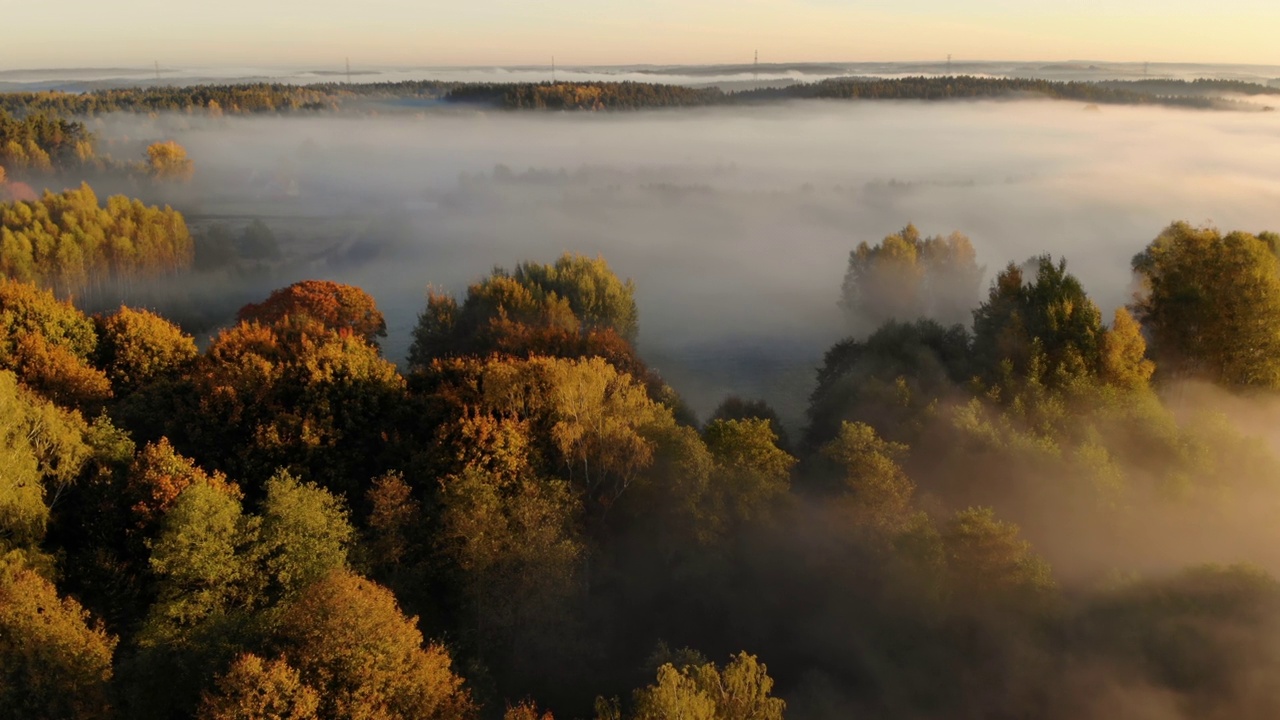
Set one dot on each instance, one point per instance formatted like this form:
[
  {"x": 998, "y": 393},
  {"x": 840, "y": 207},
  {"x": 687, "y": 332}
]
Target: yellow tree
[
  {"x": 740, "y": 691},
  {"x": 347, "y": 635},
  {"x": 598, "y": 420},
  {"x": 1124, "y": 353},
  {"x": 254, "y": 689},
  {"x": 53, "y": 662},
  {"x": 136, "y": 347},
  {"x": 168, "y": 161}
]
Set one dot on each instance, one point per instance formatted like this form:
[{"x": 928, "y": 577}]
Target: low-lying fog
[{"x": 735, "y": 224}]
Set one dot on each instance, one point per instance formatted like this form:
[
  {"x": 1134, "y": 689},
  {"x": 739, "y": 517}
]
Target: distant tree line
[
  {"x": 216, "y": 99},
  {"x": 337, "y": 97},
  {"x": 968, "y": 87},
  {"x": 39, "y": 146},
  {"x": 42, "y": 143},
  {"x": 633, "y": 96},
  {"x": 1198, "y": 86},
  {"x": 586, "y": 96}
]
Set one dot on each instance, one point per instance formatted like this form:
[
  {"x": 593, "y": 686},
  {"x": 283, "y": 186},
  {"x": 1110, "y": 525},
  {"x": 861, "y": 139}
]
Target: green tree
[
  {"x": 893, "y": 380},
  {"x": 199, "y": 562},
  {"x": 751, "y": 475},
  {"x": 42, "y": 449},
  {"x": 871, "y": 481},
  {"x": 1196, "y": 632},
  {"x": 736, "y": 408},
  {"x": 740, "y": 691},
  {"x": 596, "y": 296},
  {"x": 1211, "y": 304},
  {"x": 1045, "y": 329},
  {"x": 304, "y": 534},
  {"x": 517, "y": 547},
  {"x": 990, "y": 568}
]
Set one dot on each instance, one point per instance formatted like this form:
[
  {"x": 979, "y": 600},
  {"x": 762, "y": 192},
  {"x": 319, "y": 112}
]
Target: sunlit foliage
[{"x": 69, "y": 242}]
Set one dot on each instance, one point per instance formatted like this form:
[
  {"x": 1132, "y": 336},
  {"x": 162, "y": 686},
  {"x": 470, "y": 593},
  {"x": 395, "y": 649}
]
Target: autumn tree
[
  {"x": 347, "y": 635},
  {"x": 742, "y": 690},
  {"x": 596, "y": 419},
  {"x": 257, "y": 689},
  {"x": 168, "y": 161},
  {"x": 137, "y": 347},
  {"x": 338, "y": 307},
  {"x": 49, "y": 344},
  {"x": 576, "y": 305},
  {"x": 394, "y": 516},
  {"x": 71, "y": 241},
  {"x": 526, "y": 710},
  {"x": 54, "y": 662},
  {"x": 1124, "y": 353},
  {"x": 1211, "y": 304},
  {"x": 158, "y": 476},
  {"x": 295, "y": 395}
]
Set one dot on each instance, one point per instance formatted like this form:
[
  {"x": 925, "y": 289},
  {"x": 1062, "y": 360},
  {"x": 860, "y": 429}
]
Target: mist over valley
[
  {"x": 734, "y": 225},
  {"x": 911, "y": 390}
]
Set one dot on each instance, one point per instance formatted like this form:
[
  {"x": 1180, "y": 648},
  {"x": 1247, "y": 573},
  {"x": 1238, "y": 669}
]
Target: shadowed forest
[{"x": 1000, "y": 497}]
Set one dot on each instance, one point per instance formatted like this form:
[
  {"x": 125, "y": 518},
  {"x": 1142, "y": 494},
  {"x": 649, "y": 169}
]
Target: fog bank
[{"x": 735, "y": 224}]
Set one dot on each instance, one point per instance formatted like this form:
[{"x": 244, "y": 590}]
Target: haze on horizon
[{"x": 489, "y": 32}]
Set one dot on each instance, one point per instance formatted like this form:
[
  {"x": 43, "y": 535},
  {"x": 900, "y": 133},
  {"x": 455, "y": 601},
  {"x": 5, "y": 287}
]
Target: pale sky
[{"x": 101, "y": 33}]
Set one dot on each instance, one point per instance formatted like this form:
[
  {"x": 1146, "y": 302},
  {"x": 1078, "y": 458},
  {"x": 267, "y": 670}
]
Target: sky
[{"x": 131, "y": 33}]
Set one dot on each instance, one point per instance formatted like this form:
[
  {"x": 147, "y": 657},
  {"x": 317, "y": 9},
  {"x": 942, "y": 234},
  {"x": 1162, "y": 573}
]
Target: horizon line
[{"x": 745, "y": 63}]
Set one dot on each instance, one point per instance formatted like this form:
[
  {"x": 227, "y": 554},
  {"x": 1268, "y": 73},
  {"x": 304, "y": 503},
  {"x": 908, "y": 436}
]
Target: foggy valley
[
  {"x": 717, "y": 392},
  {"x": 734, "y": 225}
]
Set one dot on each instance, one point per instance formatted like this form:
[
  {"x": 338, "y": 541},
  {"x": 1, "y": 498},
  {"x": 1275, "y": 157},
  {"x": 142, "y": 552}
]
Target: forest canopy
[{"x": 998, "y": 505}]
